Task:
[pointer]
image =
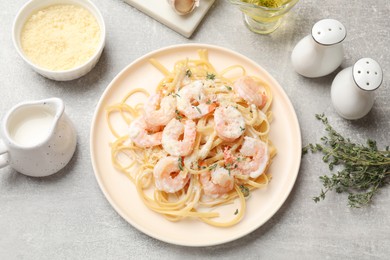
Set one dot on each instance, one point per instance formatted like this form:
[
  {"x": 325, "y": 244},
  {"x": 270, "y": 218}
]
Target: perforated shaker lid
[
  {"x": 328, "y": 32},
  {"x": 367, "y": 74}
]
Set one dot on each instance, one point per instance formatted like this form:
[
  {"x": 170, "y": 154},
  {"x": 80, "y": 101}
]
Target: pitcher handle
[{"x": 3, "y": 154}]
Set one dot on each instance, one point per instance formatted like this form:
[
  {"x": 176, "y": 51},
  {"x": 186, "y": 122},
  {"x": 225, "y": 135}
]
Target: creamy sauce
[{"x": 31, "y": 126}]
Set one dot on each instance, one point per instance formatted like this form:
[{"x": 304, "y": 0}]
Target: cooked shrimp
[
  {"x": 250, "y": 90},
  {"x": 229, "y": 123},
  {"x": 167, "y": 175},
  {"x": 192, "y": 101},
  {"x": 171, "y": 137},
  {"x": 228, "y": 156},
  {"x": 162, "y": 116},
  {"x": 141, "y": 136},
  {"x": 217, "y": 183},
  {"x": 256, "y": 157}
]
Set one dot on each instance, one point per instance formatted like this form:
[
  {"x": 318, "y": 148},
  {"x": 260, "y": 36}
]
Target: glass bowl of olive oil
[{"x": 263, "y": 16}]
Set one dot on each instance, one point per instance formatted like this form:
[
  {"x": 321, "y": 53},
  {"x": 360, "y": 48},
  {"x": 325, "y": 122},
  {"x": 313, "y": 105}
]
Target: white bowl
[{"x": 63, "y": 75}]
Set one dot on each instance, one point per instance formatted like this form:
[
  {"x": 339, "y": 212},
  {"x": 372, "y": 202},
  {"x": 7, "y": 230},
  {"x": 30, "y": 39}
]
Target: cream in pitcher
[{"x": 38, "y": 139}]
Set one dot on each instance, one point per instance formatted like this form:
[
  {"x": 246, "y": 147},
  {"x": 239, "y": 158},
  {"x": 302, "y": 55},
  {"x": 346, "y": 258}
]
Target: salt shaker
[
  {"x": 352, "y": 90},
  {"x": 321, "y": 52}
]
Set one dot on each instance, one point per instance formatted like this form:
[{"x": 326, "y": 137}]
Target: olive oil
[
  {"x": 266, "y": 3},
  {"x": 264, "y": 15}
]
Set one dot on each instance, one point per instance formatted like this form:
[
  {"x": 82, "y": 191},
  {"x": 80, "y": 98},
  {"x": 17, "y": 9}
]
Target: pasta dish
[{"x": 200, "y": 142}]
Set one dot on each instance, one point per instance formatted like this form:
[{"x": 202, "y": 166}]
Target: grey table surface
[{"x": 67, "y": 216}]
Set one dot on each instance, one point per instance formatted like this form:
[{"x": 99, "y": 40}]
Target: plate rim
[{"x": 134, "y": 223}]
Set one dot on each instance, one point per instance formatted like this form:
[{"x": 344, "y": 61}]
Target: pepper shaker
[
  {"x": 352, "y": 90},
  {"x": 321, "y": 52}
]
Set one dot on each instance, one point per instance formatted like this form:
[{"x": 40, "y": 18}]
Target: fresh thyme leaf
[
  {"x": 181, "y": 164},
  {"x": 212, "y": 167},
  {"x": 210, "y": 76},
  {"x": 236, "y": 212},
  {"x": 188, "y": 73},
  {"x": 197, "y": 108},
  {"x": 229, "y": 88},
  {"x": 177, "y": 95},
  {"x": 363, "y": 169},
  {"x": 242, "y": 129},
  {"x": 244, "y": 190},
  {"x": 178, "y": 116}
]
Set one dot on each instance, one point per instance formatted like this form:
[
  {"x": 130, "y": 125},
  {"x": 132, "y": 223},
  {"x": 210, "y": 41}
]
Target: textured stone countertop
[{"x": 66, "y": 216}]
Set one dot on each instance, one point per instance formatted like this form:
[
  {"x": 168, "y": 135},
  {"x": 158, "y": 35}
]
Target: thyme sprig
[{"x": 363, "y": 168}]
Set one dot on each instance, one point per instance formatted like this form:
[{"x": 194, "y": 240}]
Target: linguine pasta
[{"x": 215, "y": 148}]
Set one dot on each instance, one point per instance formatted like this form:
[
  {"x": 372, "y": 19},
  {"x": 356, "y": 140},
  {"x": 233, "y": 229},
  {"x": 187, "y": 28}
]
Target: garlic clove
[{"x": 183, "y": 7}]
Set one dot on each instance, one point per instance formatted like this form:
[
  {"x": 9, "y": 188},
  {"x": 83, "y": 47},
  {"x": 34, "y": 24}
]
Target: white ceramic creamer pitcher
[{"x": 37, "y": 138}]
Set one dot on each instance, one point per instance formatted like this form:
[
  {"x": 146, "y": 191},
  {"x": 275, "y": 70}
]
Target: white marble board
[{"x": 161, "y": 11}]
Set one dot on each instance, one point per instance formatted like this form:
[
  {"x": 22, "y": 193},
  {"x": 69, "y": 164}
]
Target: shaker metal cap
[
  {"x": 328, "y": 32},
  {"x": 367, "y": 74}
]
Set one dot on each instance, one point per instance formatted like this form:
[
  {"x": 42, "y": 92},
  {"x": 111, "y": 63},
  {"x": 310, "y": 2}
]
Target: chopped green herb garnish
[
  {"x": 236, "y": 212},
  {"x": 178, "y": 116},
  {"x": 180, "y": 163},
  {"x": 229, "y": 88},
  {"x": 212, "y": 167},
  {"x": 208, "y": 102},
  {"x": 197, "y": 108},
  {"x": 188, "y": 73},
  {"x": 244, "y": 190},
  {"x": 242, "y": 129},
  {"x": 210, "y": 76}
]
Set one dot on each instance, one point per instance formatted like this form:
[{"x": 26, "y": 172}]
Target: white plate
[{"x": 120, "y": 191}]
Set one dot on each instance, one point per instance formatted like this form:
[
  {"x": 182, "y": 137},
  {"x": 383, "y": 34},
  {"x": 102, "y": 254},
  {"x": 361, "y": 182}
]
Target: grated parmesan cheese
[{"x": 60, "y": 37}]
